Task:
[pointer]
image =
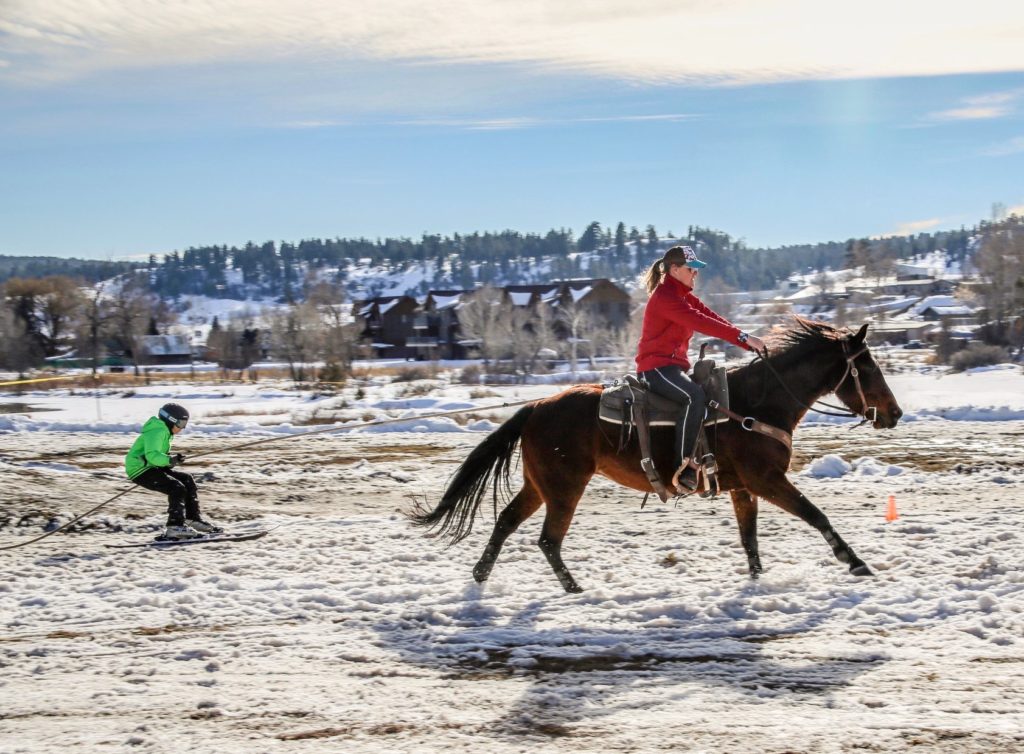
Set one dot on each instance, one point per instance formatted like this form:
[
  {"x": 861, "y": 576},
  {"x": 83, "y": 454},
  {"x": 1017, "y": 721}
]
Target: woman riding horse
[
  {"x": 564, "y": 443},
  {"x": 672, "y": 316}
]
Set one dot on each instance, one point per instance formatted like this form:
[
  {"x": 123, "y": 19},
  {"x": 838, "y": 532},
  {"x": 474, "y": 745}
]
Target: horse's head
[{"x": 863, "y": 388}]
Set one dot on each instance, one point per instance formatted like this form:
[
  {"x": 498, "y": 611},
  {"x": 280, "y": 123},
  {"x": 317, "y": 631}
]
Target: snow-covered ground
[{"x": 346, "y": 630}]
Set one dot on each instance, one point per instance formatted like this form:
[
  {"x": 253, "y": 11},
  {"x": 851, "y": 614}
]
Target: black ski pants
[
  {"x": 180, "y": 488},
  {"x": 672, "y": 382}
]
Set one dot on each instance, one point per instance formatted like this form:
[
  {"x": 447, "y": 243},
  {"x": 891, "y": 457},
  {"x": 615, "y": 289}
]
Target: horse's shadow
[{"x": 580, "y": 673}]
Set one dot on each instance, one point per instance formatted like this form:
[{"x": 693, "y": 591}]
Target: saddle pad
[
  {"x": 615, "y": 400},
  {"x": 615, "y": 403}
]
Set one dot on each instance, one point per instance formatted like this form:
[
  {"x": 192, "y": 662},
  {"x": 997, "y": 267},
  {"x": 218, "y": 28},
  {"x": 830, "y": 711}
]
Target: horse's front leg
[
  {"x": 745, "y": 506},
  {"x": 777, "y": 489}
]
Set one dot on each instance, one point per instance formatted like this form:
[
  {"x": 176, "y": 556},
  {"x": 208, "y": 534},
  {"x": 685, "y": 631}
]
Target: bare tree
[
  {"x": 17, "y": 351},
  {"x": 623, "y": 341},
  {"x": 824, "y": 283},
  {"x": 530, "y": 332},
  {"x": 96, "y": 316},
  {"x": 340, "y": 334},
  {"x": 235, "y": 346},
  {"x": 47, "y": 308},
  {"x": 1000, "y": 263},
  {"x": 580, "y": 327},
  {"x": 295, "y": 336},
  {"x": 131, "y": 310},
  {"x": 485, "y": 320},
  {"x": 717, "y": 295}
]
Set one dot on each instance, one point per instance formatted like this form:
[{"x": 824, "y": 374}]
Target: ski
[{"x": 240, "y": 536}]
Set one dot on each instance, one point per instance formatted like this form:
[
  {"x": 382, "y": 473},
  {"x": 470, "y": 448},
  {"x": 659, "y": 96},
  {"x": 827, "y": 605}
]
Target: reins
[
  {"x": 267, "y": 440},
  {"x": 869, "y": 413}
]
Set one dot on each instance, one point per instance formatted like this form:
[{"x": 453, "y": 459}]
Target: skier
[{"x": 150, "y": 464}]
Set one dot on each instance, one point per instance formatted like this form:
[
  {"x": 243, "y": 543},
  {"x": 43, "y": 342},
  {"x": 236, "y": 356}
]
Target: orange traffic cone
[{"x": 890, "y": 511}]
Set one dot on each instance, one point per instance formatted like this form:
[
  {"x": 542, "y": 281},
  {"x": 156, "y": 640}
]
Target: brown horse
[{"x": 564, "y": 444}]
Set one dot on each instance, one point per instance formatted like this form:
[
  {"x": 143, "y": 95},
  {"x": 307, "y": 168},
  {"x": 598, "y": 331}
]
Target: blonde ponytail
[{"x": 654, "y": 275}]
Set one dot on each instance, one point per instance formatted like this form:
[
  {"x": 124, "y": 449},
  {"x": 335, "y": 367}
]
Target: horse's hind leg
[
  {"x": 523, "y": 505},
  {"x": 561, "y": 506},
  {"x": 745, "y": 506},
  {"x": 777, "y": 489}
]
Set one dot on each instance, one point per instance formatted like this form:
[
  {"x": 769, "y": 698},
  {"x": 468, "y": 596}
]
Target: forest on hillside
[
  {"x": 89, "y": 270},
  {"x": 510, "y": 257},
  {"x": 55, "y": 315},
  {"x": 286, "y": 270}
]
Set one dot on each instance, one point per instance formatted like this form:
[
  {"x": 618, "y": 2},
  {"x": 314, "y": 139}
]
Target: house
[
  {"x": 605, "y": 301},
  {"x": 388, "y": 324},
  {"x": 898, "y": 332},
  {"x": 904, "y": 285},
  {"x": 402, "y": 327},
  {"x": 437, "y": 326},
  {"x": 938, "y": 308},
  {"x": 166, "y": 349},
  {"x": 599, "y": 297}
]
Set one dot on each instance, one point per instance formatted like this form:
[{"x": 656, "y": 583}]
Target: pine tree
[
  {"x": 652, "y": 239},
  {"x": 620, "y": 240},
  {"x": 591, "y": 237}
]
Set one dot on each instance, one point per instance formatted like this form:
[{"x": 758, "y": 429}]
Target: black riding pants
[
  {"x": 672, "y": 382},
  {"x": 180, "y": 488}
]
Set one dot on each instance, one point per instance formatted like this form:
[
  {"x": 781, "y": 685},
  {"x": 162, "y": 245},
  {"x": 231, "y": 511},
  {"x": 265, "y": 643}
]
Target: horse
[{"x": 564, "y": 443}]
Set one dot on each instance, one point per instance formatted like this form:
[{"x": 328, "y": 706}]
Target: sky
[{"x": 144, "y": 126}]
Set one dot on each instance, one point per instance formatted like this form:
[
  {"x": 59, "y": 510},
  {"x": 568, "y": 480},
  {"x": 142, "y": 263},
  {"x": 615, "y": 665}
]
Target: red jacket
[{"x": 673, "y": 315}]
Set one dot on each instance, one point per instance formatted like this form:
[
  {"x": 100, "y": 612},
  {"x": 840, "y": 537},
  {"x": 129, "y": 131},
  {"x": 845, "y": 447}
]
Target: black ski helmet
[{"x": 174, "y": 415}]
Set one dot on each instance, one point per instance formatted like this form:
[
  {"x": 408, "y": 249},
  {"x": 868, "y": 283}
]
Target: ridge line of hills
[{"x": 392, "y": 266}]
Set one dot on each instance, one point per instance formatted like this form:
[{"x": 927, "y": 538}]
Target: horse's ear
[{"x": 859, "y": 336}]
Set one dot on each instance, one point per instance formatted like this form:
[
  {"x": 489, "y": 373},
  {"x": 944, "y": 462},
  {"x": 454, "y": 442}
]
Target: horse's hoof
[
  {"x": 861, "y": 570},
  {"x": 480, "y": 574},
  {"x": 573, "y": 588}
]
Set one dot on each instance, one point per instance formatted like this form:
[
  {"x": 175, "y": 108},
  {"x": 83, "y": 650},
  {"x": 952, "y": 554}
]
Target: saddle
[{"x": 632, "y": 405}]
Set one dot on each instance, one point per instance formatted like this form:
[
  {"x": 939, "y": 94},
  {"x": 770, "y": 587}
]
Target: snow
[
  {"x": 578, "y": 293},
  {"x": 550, "y": 296},
  {"x": 346, "y": 630},
  {"x": 385, "y": 306},
  {"x": 832, "y": 466},
  {"x": 936, "y": 302},
  {"x": 520, "y": 298},
  {"x": 446, "y": 302},
  {"x": 166, "y": 345}
]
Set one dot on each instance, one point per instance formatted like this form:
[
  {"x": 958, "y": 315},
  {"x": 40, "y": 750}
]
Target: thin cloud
[
  {"x": 504, "y": 124},
  {"x": 913, "y": 227},
  {"x": 1013, "y": 146},
  {"x": 309, "y": 124},
  {"x": 981, "y": 107},
  {"x": 650, "y": 41},
  {"x": 971, "y": 113},
  {"x": 472, "y": 124}
]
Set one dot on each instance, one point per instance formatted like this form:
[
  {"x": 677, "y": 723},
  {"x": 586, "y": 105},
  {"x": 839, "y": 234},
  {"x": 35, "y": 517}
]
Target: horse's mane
[
  {"x": 799, "y": 342},
  {"x": 804, "y": 336}
]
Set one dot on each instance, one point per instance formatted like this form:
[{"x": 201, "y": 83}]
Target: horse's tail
[{"x": 490, "y": 462}]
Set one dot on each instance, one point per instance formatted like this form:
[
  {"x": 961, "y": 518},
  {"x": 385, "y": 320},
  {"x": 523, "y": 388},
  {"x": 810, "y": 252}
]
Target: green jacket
[{"x": 152, "y": 448}]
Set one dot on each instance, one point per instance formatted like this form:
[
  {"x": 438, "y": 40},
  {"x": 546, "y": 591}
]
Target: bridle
[{"x": 869, "y": 414}]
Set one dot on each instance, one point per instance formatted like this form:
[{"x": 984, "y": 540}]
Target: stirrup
[
  {"x": 709, "y": 466},
  {"x": 684, "y": 484}
]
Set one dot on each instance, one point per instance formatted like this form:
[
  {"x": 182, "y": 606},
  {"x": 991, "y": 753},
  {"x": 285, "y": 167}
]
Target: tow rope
[{"x": 268, "y": 440}]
